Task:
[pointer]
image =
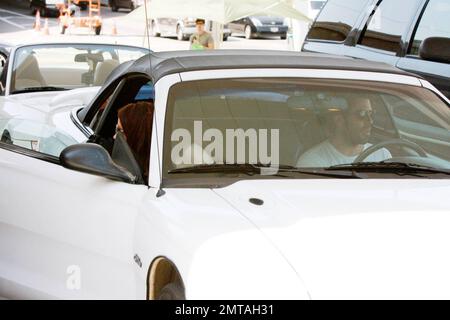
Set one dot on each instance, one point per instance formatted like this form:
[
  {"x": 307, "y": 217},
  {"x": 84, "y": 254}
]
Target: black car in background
[
  {"x": 258, "y": 26},
  {"x": 122, "y": 4},
  {"x": 412, "y": 35},
  {"x": 45, "y": 7}
]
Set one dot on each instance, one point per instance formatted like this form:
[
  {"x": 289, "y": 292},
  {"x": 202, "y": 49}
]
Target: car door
[
  {"x": 164, "y": 26},
  {"x": 434, "y": 22},
  {"x": 385, "y": 31},
  {"x": 171, "y": 25},
  {"x": 63, "y": 233},
  {"x": 236, "y": 26},
  {"x": 243, "y": 23}
]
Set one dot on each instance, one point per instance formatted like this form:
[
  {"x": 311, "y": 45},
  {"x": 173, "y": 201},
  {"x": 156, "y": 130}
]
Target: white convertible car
[
  {"x": 40, "y": 79},
  {"x": 271, "y": 175}
]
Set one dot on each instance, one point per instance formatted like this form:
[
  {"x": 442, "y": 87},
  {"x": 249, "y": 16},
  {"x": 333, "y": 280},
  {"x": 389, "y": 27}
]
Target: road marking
[
  {"x": 15, "y": 13},
  {"x": 5, "y": 20}
]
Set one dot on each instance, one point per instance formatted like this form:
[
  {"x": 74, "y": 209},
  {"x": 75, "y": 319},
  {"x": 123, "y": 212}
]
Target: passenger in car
[
  {"x": 135, "y": 122},
  {"x": 349, "y": 133}
]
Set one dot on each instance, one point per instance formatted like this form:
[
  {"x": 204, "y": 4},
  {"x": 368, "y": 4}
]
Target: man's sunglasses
[{"x": 363, "y": 114}]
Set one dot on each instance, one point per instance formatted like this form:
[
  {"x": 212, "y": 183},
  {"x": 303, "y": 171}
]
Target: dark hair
[
  {"x": 136, "y": 120},
  {"x": 202, "y": 21}
]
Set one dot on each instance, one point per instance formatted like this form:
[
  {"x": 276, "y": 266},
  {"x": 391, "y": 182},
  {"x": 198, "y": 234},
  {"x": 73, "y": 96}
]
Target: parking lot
[{"x": 16, "y": 27}]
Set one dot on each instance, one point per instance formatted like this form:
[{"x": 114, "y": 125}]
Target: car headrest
[
  {"x": 29, "y": 70},
  {"x": 103, "y": 70}
]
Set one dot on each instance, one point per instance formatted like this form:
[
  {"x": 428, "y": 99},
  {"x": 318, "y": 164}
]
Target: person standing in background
[{"x": 201, "y": 40}]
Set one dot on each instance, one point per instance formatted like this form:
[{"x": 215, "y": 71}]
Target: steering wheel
[{"x": 395, "y": 142}]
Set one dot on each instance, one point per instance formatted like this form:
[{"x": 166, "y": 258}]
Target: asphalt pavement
[
  {"x": 16, "y": 27},
  {"x": 16, "y": 16}
]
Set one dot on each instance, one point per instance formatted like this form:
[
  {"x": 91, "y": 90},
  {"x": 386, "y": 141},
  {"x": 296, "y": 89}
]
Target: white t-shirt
[{"x": 325, "y": 155}]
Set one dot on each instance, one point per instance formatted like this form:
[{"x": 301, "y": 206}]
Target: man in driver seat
[{"x": 349, "y": 134}]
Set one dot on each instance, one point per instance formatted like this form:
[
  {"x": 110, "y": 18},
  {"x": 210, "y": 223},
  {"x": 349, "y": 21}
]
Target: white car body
[{"x": 312, "y": 239}]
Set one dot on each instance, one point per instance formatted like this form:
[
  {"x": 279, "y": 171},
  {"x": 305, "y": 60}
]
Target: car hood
[
  {"x": 51, "y": 109},
  {"x": 356, "y": 239},
  {"x": 52, "y": 101}
]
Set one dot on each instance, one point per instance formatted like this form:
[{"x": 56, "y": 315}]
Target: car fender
[{"x": 218, "y": 253}]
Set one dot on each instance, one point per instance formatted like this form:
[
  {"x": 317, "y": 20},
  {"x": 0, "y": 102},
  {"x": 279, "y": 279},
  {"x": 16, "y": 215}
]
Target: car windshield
[
  {"x": 290, "y": 124},
  {"x": 65, "y": 67},
  {"x": 35, "y": 135}
]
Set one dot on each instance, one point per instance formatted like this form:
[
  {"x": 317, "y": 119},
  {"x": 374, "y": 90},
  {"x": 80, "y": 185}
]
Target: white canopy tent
[{"x": 219, "y": 11}]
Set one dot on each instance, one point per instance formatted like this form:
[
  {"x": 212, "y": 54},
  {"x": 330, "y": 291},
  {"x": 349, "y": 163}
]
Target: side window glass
[
  {"x": 317, "y": 5},
  {"x": 145, "y": 93},
  {"x": 435, "y": 22},
  {"x": 35, "y": 136},
  {"x": 381, "y": 119},
  {"x": 95, "y": 121},
  {"x": 415, "y": 115},
  {"x": 132, "y": 140},
  {"x": 387, "y": 25},
  {"x": 336, "y": 20}
]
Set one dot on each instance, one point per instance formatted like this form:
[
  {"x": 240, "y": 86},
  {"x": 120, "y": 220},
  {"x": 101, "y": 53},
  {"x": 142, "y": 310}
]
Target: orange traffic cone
[
  {"x": 114, "y": 29},
  {"x": 37, "y": 21},
  {"x": 46, "y": 31}
]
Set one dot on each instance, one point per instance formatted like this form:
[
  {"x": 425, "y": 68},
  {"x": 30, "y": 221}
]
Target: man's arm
[{"x": 210, "y": 42}]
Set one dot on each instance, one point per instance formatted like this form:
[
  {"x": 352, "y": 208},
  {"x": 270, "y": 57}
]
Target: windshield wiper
[
  {"x": 400, "y": 168},
  {"x": 38, "y": 89},
  {"x": 246, "y": 168},
  {"x": 259, "y": 169}
]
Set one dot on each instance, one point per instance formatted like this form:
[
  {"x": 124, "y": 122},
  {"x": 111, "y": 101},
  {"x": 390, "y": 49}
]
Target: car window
[
  {"x": 145, "y": 93},
  {"x": 336, "y": 20},
  {"x": 387, "y": 25},
  {"x": 413, "y": 112},
  {"x": 317, "y": 5},
  {"x": 422, "y": 122},
  {"x": 35, "y": 136},
  {"x": 435, "y": 22},
  {"x": 298, "y": 121},
  {"x": 64, "y": 67}
]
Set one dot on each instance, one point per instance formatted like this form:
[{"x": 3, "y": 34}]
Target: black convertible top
[{"x": 160, "y": 64}]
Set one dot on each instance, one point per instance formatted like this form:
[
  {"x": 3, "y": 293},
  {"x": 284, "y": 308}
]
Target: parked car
[
  {"x": 182, "y": 29},
  {"x": 124, "y": 4},
  {"x": 213, "y": 230},
  {"x": 259, "y": 26},
  {"x": 415, "y": 37}
]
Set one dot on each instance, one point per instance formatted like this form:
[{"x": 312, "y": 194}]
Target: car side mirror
[
  {"x": 94, "y": 159},
  {"x": 435, "y": 49}
]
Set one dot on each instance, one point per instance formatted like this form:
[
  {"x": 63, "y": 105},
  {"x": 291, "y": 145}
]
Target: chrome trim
[{"x": 74, "y": 117}]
